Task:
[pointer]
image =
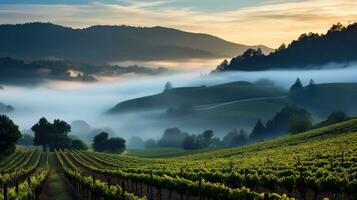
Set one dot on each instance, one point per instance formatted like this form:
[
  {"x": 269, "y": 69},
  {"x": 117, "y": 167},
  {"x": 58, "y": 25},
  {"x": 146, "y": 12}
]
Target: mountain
[
  {"x": 111, "y": 43},
  {"x": 309, "y": 51}
]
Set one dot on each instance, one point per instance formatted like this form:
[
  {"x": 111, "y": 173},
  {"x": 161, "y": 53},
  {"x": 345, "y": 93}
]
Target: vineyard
[{"x": 317, "y": 164}]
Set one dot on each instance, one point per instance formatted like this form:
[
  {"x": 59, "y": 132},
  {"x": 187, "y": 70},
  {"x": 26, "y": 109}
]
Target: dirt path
[{"x": 57, "y": 186}]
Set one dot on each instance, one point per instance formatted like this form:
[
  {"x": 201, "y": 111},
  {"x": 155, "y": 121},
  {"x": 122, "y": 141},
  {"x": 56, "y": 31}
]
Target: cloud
[{"x": 270, "y": 23}]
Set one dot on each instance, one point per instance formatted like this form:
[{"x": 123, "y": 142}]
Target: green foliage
[
  {"x": 78, "y": 144},
  {"x": 54, "y": 135},
  {"x": 172, "y": 137},
  {"x": 102, "y": 142},
  {"x": 299, "y": 124},
  {"x": 204, "y": 140},
  {"x": 9, "y": 135}
]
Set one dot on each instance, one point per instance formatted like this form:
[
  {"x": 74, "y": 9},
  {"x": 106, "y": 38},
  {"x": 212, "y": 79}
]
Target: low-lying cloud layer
[{"x": 89, "y": 102}]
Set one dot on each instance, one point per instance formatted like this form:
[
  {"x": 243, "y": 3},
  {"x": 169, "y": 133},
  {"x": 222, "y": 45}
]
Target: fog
[{"x": 78, "y": 101}]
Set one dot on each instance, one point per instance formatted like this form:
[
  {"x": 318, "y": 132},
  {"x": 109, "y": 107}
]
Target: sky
[{"x": 251, "y": 22}]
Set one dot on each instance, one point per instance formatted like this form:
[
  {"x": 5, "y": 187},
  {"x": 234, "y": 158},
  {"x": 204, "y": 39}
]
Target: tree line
[
  {"x": 290, "y": 120},
  {"x": 51, "y": 136}
]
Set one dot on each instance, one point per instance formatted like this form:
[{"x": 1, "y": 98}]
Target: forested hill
[
  {"x": 308, "y": 51},
  {"x": 111, "y": 43}
]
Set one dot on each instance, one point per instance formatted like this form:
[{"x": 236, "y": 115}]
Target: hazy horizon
[{"x": 89, "y": 101}]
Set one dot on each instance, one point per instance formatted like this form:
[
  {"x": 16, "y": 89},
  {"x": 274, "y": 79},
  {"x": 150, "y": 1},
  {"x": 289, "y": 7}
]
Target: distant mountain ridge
[
  {"x": 308, "y": 51},
  {"x": 111, "y": 43}
]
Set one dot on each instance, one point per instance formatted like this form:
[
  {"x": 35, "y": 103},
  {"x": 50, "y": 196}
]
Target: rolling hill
[
  {"x": 194, "y": 96},
  {"x": 111, "y": 43},
  {"x": 225, "y": 107}
]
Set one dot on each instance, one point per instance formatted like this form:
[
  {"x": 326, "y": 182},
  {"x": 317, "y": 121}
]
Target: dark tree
[
  {"x": 235, "y": 138},
  {"x": 297, "y": 86},
  {"x": 59, "y": 138},
  {"x": 172, "y": 137},
  {"x": 42, "y": 131},
  {"x": 190, "y": 143},
  {"x": 102, "y": 142},
  {"x": 168, "y": 86},
  {"x": 99, "y": 141},
  {"x": 333, "y": 118},
  {"x": 115, "y": 145},
  {"x": 51, "y": 135},
  {"x": 204, "y": 140},
  {"x": 9, "y": 135},
  {"x": 337, "y": 116},
  {"x": 298, "y": 124},
  {"x": 259, "y": 131},
  {"x": 150, "y": 143},
  {"x": 240, "y": 139},
  {"x": 78, "y": 144}
]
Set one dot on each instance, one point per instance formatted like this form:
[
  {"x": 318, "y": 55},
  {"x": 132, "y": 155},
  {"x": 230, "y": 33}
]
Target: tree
[
  {"x": 54, "y": 135},
  {"x": 206, "y": 138},
  {"x": 285, "y": 120},
  {"x": 336, "y": 28},
  {"x": 60, "y": 138},
  {"x": 102, "y": 142},
  {"x": 150, "y": 143},
  {"x": 190, "y": 143},
  {"x": 172, "y": 137},
  {"x": 259, "y": 131},
  {"x": 168, "y": 86},
  {"x": 240, "y": 139},
  {"x": 281, "y": 47},
  {"x": 337, "y": 116},
  {"x": 299, "y": 124},
  {"x": 297, "y": 86},
  {"x": 42, "y": 131},
  {"x": 333, "y": 118},
  {"x": 115, "y": 145},
  {"x": 99, "y": 141},
  {"x": 9, "y": 135},
  {"x": 78, "y": 144}
]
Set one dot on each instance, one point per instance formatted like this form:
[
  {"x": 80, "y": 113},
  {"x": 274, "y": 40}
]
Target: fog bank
[{"x": 88, "y": 102}]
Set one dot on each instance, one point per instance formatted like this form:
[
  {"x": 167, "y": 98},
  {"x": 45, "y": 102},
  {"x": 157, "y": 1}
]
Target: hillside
[
  {"x": 195, "y": 96},
  {"x": 308, "y": 51},
  {"x": 111, "y": 43},
  {"x": 225, "y": 107},
  {"x": 231, "y": 96},
  {"x": 310, "y": 165},
  {"x": 328, "y": 97}
]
